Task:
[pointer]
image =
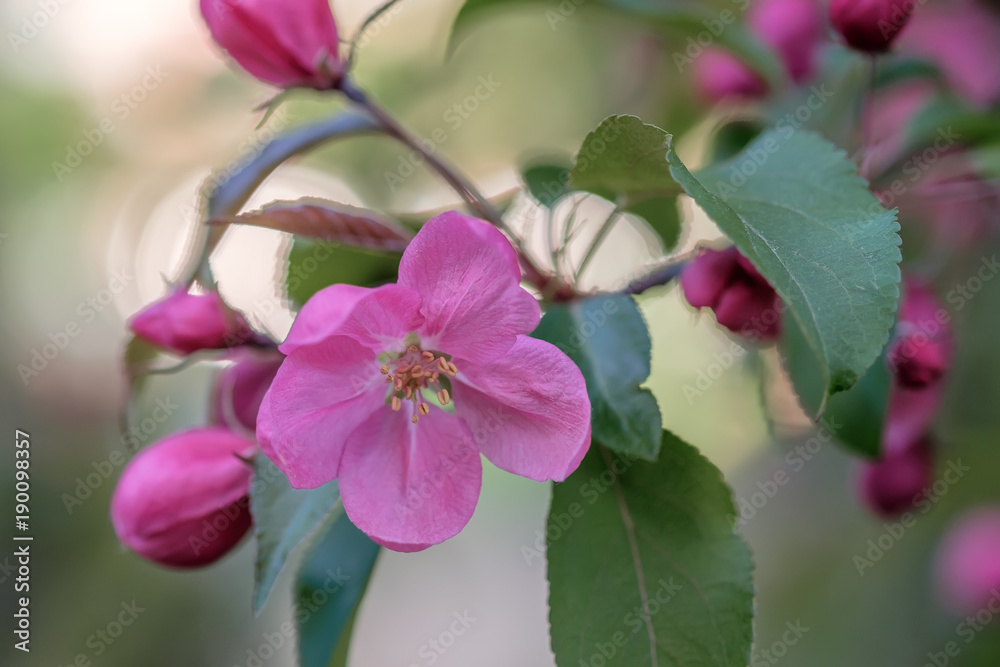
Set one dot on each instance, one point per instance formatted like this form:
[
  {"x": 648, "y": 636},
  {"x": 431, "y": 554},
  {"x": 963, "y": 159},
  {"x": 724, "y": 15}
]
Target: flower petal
[
  {"x": 320, "y": 394},
  {"x": 409, "y": 486},
  {"x": 467, "y": 273},
  {"x": 529, "y": 411},
  {"x": 377, "y": 318}
]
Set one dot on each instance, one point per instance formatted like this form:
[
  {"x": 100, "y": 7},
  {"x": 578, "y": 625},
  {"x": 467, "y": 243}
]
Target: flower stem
[
  {"x": 657, "y": 278},
  {"x": 456, "y": 180},
  {"x": 602, "y": 233}
]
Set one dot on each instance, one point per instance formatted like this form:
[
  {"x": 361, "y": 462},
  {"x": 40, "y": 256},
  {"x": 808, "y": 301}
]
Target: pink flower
[
  {"x": 793, "y": 28},
  {"x": 892, "y": 485},
  {"x": 184, "y": 323},
  {"x": 240, "y": 388},
  {"x": 743, "y": 301},
  {"x": 967, "y": 568},
  {"x": 922, "y": 349},
  {"x": 870, "y": 25},
  {"x": 352, "y": 399},
  {"x": 719, "y": 75},
  {"x": 287, "y": 44},
  {"x": 963, "y": 39},
  {"x": 182, "y": 501}
]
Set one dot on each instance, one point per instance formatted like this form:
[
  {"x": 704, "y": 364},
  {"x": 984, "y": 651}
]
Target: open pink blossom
[
  {"x": 282, "y": 42},
  {"x": 183, "y": 501},
  {"x": 357, "y": 398},
  {"x": 184, "y": 323}
]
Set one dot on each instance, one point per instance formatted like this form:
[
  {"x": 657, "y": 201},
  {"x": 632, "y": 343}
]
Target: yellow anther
[
  {"x": 384, "y": 370},
  {"x": 397, "y": 404},
  {"x": 428, "y": 356},
  {"x": 417, "y": 371},
  {"x": 415, "y": 419},
  {"x": 444, "y": 397},
  {"x": 409, "y": 392},
  {"x": 424, "y": 409}
]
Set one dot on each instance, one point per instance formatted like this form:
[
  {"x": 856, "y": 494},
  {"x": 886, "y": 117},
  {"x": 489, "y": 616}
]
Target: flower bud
[
  {"x": 719, "y": 75},
  {"x": 743, "y": 301},
  {"x": 870, "y": 25},
  {"x": 793, "y": 28},
  {"x": 184, "y": 323},
  {"x": 967, "y": 566},
  {"x": 183, "y": 501},
  {"x": 892, "y": 485},
  {"x": 287, "y": 44},
  {"x": 240, "y": 388},
  {"x": 922, "y": 349}
]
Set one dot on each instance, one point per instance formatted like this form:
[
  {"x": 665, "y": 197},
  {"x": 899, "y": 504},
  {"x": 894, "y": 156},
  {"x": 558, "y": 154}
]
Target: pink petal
[
  {"x": 377, "y": 318},
  {"x": 286, "y": 44},
  {"x": 528, "y": 411},
  {"x": 466, "y": 271},
  {"x": 320, "y": 394},
  {"x": 409, "y": 486}
]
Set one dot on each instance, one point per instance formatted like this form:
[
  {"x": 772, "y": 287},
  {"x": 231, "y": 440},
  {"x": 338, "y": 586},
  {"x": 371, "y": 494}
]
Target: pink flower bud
[
  {"x": 182, "y": 501},
  {"x": 285, "y": 43},
  {"x": 743, "y": 301},
  {"x": 870, "y": 25},
  {"x": 793, "y": 28},
  {"x": 184, "y": 323},
  {"x": 967, "y": 567},
  {"x": 719, "y": 75},
  {"x": 239, "y": 389},
  {"x": 892, "y": 485},
  {"x": 922, "y": 349}
]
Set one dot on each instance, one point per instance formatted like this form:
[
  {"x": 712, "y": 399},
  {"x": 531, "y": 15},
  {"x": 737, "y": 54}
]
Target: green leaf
[
  {"x": 313, "y": 266},
  {"x": 663, "y": 215},
  {"x": 547, "y": 183},
  {"x": 624, "y": 161},
  {"x": 795, "y": 206},
  {"x": 331, "y": 583},
  {"x": 681, "y": 20},
  {"x": 283, "y": 517},
  {"x": 855, "y": 417},
  {"x": 607, "y": 338},
  {"x": 644, "y": 566},
  {"x": 624, "y": 158}
]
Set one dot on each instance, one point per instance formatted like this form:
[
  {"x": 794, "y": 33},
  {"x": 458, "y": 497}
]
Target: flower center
[{"x": 412, "y": 372}]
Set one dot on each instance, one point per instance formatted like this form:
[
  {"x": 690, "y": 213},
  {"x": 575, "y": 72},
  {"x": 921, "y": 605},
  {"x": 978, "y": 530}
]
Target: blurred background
[{"x": 111, "y": 115}]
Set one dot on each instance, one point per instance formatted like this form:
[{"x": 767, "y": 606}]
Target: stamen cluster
[{"x": 414, "y": 371}]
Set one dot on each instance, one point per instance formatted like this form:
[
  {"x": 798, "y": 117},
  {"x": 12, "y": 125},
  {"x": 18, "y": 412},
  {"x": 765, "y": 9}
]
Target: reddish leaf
[{"x": 328, "y": 221}]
